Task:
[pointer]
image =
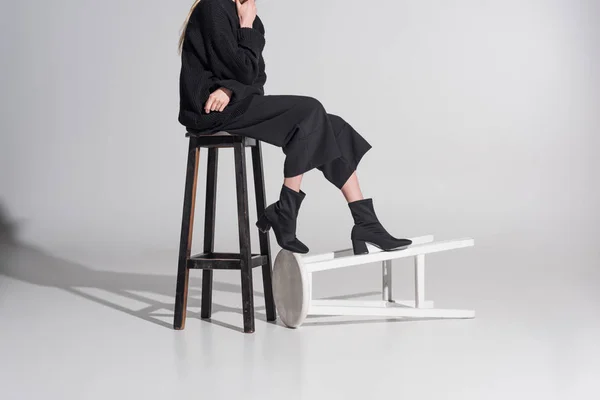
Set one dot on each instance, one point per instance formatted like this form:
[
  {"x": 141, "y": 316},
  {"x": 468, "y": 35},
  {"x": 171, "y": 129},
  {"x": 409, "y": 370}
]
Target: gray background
[{"x": 483, "y": 116}]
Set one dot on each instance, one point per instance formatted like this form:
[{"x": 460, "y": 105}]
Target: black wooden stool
[{"x": 210, "y": 260}]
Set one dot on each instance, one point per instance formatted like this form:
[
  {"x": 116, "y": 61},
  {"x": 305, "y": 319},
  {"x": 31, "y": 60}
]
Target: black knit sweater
[{"x": 217, "y": 52}]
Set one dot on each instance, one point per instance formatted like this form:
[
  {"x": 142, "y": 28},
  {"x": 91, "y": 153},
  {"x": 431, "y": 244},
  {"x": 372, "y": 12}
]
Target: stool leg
[
  {"x": 244, "y": 234},
  {"x": 265, "y": 245},
  {"x": 187, "y": 227},
  {"x": 209, "y": 229}
]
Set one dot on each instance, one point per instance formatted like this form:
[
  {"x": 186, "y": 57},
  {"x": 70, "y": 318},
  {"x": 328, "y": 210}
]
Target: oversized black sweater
[{"x": 217, "y": 52}]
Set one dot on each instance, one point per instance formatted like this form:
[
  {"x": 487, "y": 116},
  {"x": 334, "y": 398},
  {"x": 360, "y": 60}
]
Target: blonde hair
[{"x": 185, "y": 24}]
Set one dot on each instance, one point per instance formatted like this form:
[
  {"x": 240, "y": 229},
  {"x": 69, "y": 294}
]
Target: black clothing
[
  {"x": 367, "y": 228},
  {"x": 217, "y": 52},
  {"x": 282, "y": 216},
  {"x": 308, "y": 135}
]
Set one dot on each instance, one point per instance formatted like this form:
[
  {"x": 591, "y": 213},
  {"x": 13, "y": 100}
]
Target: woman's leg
[
  {"x": 342, "y": 173},
  {"x": 342, "y": 170},
  {"x": 352, "y": 148},
  {"x": 294, "y": 182},
  {"x": 308, "y": 135},
  {"x": 351, "y": 189},
  {"x": 301, "y": 127},
  {"x": 284, "y": 120},
  {"x": 298, "y": 124},
  {"x": 311, "y": 138}
]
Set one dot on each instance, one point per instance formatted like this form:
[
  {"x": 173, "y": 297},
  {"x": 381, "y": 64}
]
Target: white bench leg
[
  {"x": 387, "y": 280},
  {"x": 419, "y": 280}
]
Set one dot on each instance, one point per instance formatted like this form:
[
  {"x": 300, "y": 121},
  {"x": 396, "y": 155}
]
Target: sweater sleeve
[
  {"x": 239, "y": 49},
  {"x": 239, "y": 91},
  {"x": 262, "y": 77}
]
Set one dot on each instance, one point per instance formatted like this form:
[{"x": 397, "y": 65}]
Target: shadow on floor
[
  {"x": 30, "y": 264},
  {"x": 7, "y": 227}
]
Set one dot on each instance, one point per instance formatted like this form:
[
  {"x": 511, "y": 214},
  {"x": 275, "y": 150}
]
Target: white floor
[{"x": 95, "y": 327}]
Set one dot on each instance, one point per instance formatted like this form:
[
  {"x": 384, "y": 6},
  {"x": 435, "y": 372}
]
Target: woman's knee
[
  {"x": 312, "y": 117},
  {"x": 336, "y": 120},
  {"x": 311, "y": 103}
]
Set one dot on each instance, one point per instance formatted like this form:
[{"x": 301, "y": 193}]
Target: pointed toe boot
[
  {"x": 367, "y": 228},
  {"x": 282, "y": 216}
]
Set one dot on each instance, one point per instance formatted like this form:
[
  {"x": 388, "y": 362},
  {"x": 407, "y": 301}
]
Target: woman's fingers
[
  {"x": 211, "y": 104},
  {"x": 246, "y": 12},
  {"x": 208, "y": 104},
  {"x": 214, "y": 103}
]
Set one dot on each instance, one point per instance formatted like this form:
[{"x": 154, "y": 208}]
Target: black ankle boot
[
  {"x": 282, "y": 215},
  {"x": 367, "y": 228}
]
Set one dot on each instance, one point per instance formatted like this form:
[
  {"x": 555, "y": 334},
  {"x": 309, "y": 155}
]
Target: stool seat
[
  {"x": 210, "y": 260},
  {"x": 195, "y": 132},
  {"x": 219, "y": 139}
]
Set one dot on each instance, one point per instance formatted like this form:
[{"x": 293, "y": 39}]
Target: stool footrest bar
[{"x": 223, "y": 261}]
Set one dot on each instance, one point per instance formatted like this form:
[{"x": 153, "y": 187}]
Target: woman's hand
[
  {"x": 246, "y": 12},
  {"x": 218, "y": 100}
]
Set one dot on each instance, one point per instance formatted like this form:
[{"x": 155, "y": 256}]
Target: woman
[{"x": 221, "y": 88}]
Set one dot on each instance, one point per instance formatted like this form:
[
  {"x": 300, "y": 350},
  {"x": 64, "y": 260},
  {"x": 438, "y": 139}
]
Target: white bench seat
[{"x": 293, "y": 273}]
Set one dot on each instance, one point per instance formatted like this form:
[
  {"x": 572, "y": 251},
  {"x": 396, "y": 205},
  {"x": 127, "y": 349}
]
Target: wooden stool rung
[{"x": 223, "y": 261}]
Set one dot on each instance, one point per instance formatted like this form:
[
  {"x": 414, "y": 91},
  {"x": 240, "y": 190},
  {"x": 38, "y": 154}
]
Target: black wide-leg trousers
[{"x": 309, "y": 136}]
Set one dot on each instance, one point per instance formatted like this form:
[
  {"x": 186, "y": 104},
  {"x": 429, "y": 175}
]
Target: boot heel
[
  {"x": 263, "y": 223},
  {"x": 359, "y": 247}
]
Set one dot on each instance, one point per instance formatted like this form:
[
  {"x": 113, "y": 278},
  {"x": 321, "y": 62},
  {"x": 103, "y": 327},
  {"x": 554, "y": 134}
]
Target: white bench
[{"x": 293, "y": 273}]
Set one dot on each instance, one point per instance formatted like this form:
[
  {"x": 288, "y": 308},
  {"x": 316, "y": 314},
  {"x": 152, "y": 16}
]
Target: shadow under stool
[{"x": 209, "y": 260}]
